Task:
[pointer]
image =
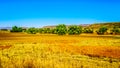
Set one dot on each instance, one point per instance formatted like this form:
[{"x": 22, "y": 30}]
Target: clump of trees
[
  {"x": 32, "y": 30},
  {"x": 74, "y": 30},
  {"x": 16, "y": 29},
  {"x": 47, "y": 30},
  {"x": 102, "y": 30},
  {"x": 61, "y": 29},
  {"x": 3, "y": 29},
  {"x": 115, "y": 30},
  {"x": 54, "y": 31},
  {"x": 40, "y": 30},
  {"x": 88, "y": 30}
]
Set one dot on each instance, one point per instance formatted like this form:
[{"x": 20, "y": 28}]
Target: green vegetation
[
  {"x": 40, "y": 30},
  {"x": 46, "y": 50},
  {"x": 54, "y": 31},
  {"x": 3, "y": 29},
  {"x": 74, "y": 30},
  {"x": 88, "y": 30},
  {"x": 115, "y": 30},
  {"x": 32, "y": 30},
  {"x": 108, "y": 25},
  {"x": 102, "y": 30},
  {"x": 61, "y": 29},
  {"x": 47, "y": 30},
  {"x": 16, "y": 29}
]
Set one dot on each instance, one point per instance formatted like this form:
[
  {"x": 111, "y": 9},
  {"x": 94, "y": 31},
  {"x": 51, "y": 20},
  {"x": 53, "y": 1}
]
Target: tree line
[{"x": 61, "y": 29}]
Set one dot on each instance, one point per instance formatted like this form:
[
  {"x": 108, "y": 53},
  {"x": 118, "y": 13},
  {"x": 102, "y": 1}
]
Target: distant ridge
[
  {"x": 108, "y": 24},
  {"x": 8, "y": 28},
  {"x": 94, "y": 25},
  {"x": 83, "y": 25}
]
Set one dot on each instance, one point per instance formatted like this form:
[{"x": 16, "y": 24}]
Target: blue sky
[{"x": 38, "y": 13}]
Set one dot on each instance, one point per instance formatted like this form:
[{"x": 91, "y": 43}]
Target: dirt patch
[
  {"x": 5, "y": 47},
  {"x": 93, "y": 51}
]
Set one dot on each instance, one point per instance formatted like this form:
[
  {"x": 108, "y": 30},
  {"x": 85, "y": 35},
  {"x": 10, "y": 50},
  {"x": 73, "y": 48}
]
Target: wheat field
[{"x": 20, "y": 50}]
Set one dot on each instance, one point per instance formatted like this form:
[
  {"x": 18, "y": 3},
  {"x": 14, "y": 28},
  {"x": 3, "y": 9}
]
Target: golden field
[{"x": 20, "y": 50}]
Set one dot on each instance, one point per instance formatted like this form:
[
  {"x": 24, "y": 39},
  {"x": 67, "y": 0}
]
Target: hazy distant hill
[
  {"x": 8, "y": 28},
  {"x": 83, "y": 25},
  {"x": 96, "y": 25},
  {"x": 109, "y": 25}
]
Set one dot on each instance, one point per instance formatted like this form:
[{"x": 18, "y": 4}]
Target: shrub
[
  {"x": 4, "y": 29},
  {"x": 32, "y": 30},
  {"x": 61, "y": 29},
  {"x": 54, "y": 31},
  {"x": 40, "y": 30},
  {"x": 102, "y": 30},
  {"x": 88, "y": 30},
  {"x": 115, "y": 30},
  {"x": 16, "y": 29},
  {"x": 74, "y": 30}
]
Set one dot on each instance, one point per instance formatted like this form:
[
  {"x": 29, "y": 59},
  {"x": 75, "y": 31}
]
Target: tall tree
[
  {"x": 32, "y": 30},
  {"x": 61, "y": 29},
  {"x": 16, "y": 29},
  {"x": 74, "y": 30},
  {"x": 102, "y": 30}
]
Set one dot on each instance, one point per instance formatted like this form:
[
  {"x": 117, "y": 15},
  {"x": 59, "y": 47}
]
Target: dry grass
[{"x": 18, "y": 50}]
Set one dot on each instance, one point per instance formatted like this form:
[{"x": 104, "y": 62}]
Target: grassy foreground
[{"x": 18, "y": 50}]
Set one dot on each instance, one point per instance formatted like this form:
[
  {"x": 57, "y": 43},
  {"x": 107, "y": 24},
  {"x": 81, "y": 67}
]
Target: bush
[
  {"x": 16, "y": 29},
  {"x": 74, "y": 30},
  {"x": 54, "y": 31},
  {"x": 40, "y": 30},
  {"x": 88, "y": 30},
  {"x": 47, "y": 30},
  {"x": 102, "y": 30},
  {"x": 115, "y": 30},
  {"x": 32, "y": 30},
  {"x": 61, "y": 29},
  {"x": 4, "y": 29}
]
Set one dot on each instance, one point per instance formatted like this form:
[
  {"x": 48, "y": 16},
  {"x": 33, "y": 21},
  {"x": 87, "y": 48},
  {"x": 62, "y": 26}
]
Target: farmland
[{"x": 21, "y": 50}]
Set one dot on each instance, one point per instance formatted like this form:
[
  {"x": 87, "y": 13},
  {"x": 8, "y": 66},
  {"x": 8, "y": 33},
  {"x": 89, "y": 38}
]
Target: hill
[
  {"x": 108, "y": 25},
  {"x": 95, "y": 25},
  {"x": 83, "y": 25}
]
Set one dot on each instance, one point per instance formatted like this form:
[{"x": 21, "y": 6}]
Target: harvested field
[
  {"x": 19, "y": 50},
  {"x": 94, "y": 51}
]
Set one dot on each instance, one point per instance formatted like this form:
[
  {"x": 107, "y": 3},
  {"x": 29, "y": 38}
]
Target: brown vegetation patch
[
  {"x": 93, "y": 51},
  {"x": 5, "y": 47}
]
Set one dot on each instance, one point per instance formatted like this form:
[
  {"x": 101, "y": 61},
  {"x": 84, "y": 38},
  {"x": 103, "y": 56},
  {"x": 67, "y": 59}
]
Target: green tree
[
  {"x": 74, "y": 30},
  {"x": 40, "y": 30},
  {"x": 32, "y": 30},
  {"x": 54, "y": 31},
  {"x": 88, "y": 30},
  {"x": 16, "y": 29},
  {"x": 61, "y": 29},
  {"x": 102, "y": 30},
  {"x": 46, "y": 30},
  {"x": 115, "y": 30}
]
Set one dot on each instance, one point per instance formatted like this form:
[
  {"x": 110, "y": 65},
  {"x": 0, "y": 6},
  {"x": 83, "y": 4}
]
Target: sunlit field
[{"x": 20, "y": 50}]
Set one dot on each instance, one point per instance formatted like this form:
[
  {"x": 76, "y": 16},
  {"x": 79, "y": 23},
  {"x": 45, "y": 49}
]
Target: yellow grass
[{"x": 45, "y": 51}]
